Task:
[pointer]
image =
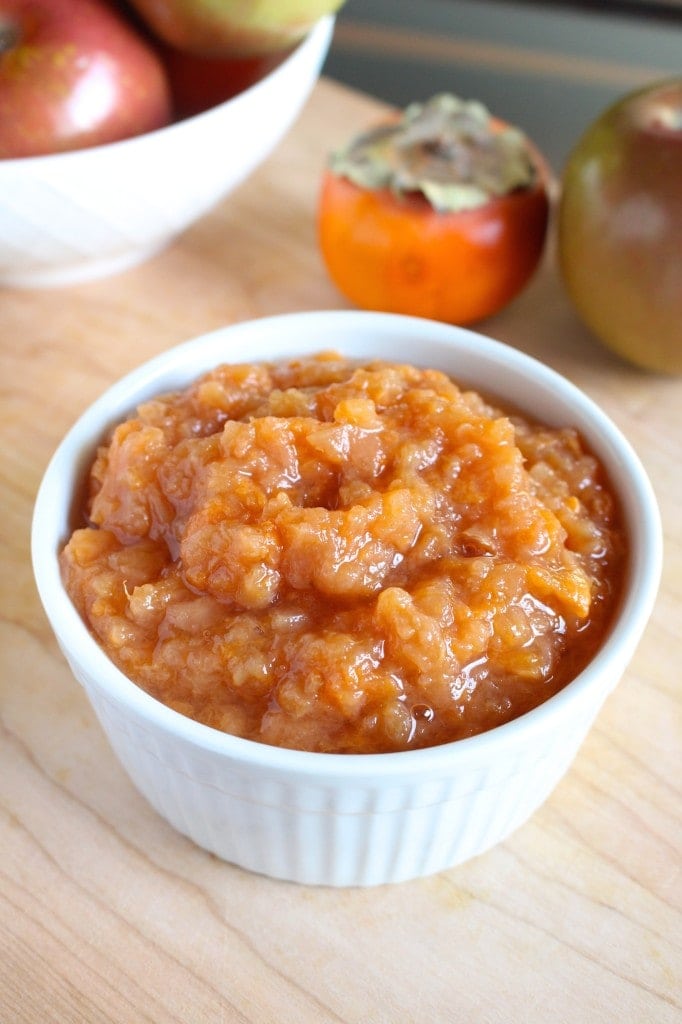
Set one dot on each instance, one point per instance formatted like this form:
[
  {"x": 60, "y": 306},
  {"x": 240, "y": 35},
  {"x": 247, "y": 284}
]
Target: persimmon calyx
[{"x": 450, "y": 150}]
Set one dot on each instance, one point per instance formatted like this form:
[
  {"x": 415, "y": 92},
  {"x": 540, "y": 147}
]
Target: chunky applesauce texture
[{"x": 343, "y": 557}]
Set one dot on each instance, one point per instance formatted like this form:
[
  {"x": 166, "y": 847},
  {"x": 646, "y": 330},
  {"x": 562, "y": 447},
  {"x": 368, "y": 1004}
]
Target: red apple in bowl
[
  {"x": 232, "y": 27},
  {"x": 74, "y": 74},
  {"x": 199, "y": 83}
]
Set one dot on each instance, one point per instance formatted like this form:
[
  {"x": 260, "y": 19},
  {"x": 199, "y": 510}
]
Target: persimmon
[{"x": 457, "y": 246}]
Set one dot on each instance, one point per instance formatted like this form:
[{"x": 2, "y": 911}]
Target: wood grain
[{"x": 107, "y": 915}]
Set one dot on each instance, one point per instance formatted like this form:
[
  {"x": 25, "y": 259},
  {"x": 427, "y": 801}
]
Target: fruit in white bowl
[
  {"x": 198, "y": 83},
  {"x": 233, "y": 27},
  {"x": 74, "y": 74},
  {"x": 81, "y": 215}
]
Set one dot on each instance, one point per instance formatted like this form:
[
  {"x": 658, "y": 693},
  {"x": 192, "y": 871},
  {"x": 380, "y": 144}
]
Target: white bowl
[
  {"x": 76, "y": 216},
  {"x": 340, "y": 819}
]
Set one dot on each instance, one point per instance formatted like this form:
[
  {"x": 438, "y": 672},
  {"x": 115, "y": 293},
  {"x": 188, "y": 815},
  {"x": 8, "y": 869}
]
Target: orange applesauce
[{"x": 348, "y": 558}]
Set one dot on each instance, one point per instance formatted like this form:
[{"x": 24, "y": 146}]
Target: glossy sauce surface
[{"x": 334, "y": 557}]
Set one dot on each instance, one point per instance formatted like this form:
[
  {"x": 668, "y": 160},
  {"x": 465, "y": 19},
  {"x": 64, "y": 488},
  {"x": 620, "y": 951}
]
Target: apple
[
  {"x": 74, "y": 74},
  {"x": 221, "y": 28},
  {"x": 620, "y": 227},
  {"x": 199, "y": 83}
]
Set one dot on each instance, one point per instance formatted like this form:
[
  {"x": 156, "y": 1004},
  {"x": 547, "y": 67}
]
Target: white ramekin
[{"x": 348, "y": 819}]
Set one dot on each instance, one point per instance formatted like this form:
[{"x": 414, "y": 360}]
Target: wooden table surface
[{"x": 106, "y": 914}]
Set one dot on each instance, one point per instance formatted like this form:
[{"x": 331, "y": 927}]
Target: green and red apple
[
  {"x": 221, "y": 28},
  {"x": 620, "y": 227},
  {"x": 74, "y": 74}
]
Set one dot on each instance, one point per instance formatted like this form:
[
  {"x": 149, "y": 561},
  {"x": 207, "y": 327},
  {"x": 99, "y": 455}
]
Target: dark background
[{"x": 548, "y": 67}]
